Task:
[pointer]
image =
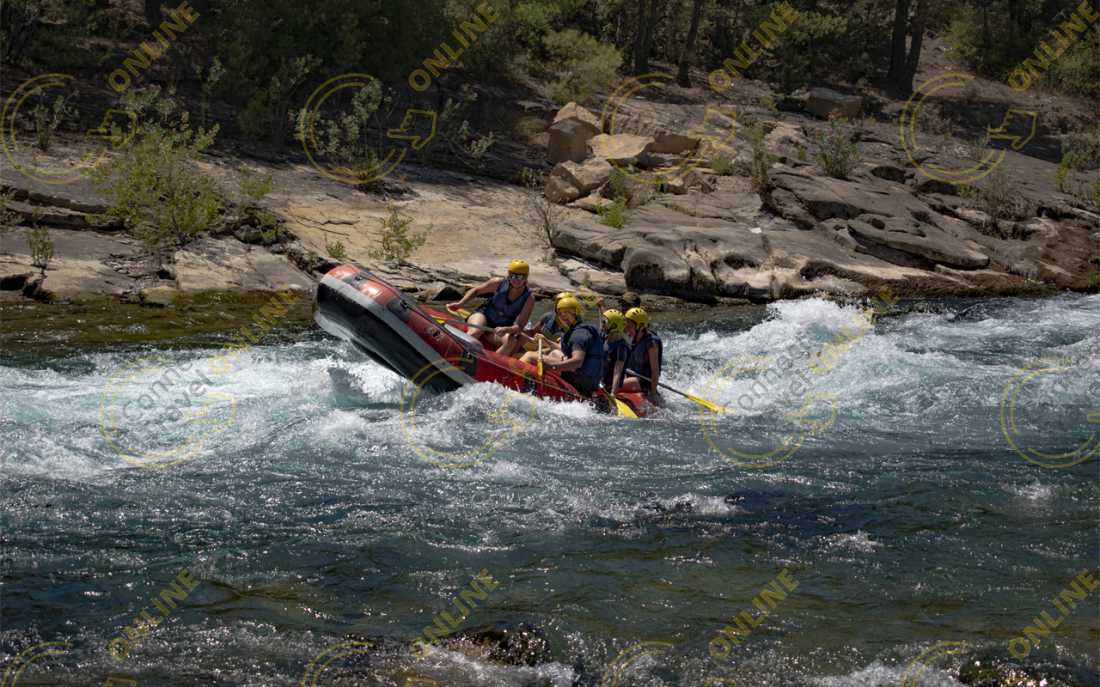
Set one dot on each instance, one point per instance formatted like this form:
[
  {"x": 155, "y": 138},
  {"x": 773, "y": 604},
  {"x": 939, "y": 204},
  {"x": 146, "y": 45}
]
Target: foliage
[
  {"x": 41, "y": 246},
  {"x": 210, "y": 83},
  {"x": 398, "y": 243},
  {"x": 336, "y": 250},
  {"x": 154, "y": 189},
  {"x": 8, "y": 218},
  {"x": 1080, "y": 153},
  {"x": 836, "y": 154},
  {"x": 722, "y": 164},
  {"x": 254, "y": 187},
  {"x": 265, "y": 114},
  {"x": 47, "y": 119},
  {"x": 613, "y": 214},
  {"x": 529, "y": 178},
  {"x": 585, "y": 66},
  {"x": 998, "y": 196},
  {"x": 762, "y": 161},
  {"x": 618, "y": 184},
  {"x": 995, "y": 38}
]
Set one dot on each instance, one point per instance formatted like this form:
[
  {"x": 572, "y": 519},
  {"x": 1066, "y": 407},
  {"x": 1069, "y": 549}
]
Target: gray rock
[
  {"x": 569, "y": 141},
  {"x": 622, "y": 149},
  {"x": 560, "y": 191},
  {"x": 585, "y": 177}
]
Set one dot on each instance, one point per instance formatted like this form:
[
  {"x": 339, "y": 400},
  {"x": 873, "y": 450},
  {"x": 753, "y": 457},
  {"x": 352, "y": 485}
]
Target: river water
[{"x": 912, "y": 492}]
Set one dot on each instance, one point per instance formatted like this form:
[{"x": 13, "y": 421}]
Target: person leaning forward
[
  {"x": 579, "y": 357},
  {"x": 646, "y": 356},
  {"x": 499, "y": 322}
]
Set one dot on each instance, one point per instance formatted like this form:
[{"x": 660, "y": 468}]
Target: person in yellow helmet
[
  {"x": 500, "y": 320},
  {"x": 646, "y": 356},
  {"x": 579, "y": 357},
  {"x": 549, "y": 325},
  {"x": 616, "y": 350}
]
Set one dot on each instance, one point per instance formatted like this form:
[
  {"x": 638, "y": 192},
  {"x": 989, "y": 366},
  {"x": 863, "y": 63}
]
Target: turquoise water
[{"x": 306, "y": 507}]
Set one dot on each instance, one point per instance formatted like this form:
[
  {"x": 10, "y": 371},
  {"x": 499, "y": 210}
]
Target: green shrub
[
  {"x": 997, "y": 195},
  {"x": 800, "y": 152},
  {"x": 836, "y": 154},
  {"x": 762, "y": 161},
  {"x": 254, "y": 187},
  {"x": 614, "y": 213},
  {"x": 618, "y": 185},
  {"x": 722, "y": 164},
  {"x": 8, "y": 218},
  {"x": 398, "y": 243},
  {"x": 265, "y": 115},
  {"x": 1080, "y": 153},
  {"x": 47, "y": 119},
  {"x": 585, "y": 65},
  {"x": 41, "y": 246},
  {"x": 530, "y": 178},
  {"x": 155, "y": 190},
  {"x": 336, "y": 250}
]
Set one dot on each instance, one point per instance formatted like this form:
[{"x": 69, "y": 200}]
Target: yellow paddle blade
[
  {"x": 462, "y": 312},
  {"x": 713, "y": 407},
  {"x": 623, "y": 409}
]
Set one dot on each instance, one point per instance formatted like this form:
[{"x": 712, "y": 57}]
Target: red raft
[{"x": 429, "y": 347}]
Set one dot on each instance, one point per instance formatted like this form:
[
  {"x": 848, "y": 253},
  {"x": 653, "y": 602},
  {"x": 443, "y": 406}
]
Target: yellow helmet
[
  {"x": 569, "y": 303},
  {"x": 615, "y": 321},
  {"x": 638, "y": 316},
  {"x": 519, "y": 267},
  {"x": 561, "y": 295}
]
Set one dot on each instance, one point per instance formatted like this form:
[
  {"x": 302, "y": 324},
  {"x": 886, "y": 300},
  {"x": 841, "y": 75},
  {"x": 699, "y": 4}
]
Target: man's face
[
  {"x": 516, "y": 280},
  {"x": 630, "y": 328},
  {"x": 566, "y": 317}
]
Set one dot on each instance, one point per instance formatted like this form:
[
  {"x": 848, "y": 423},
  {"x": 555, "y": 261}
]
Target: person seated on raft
[
  {"x": 616, "y": 350},
  {"x": 646, "y": 356},
  {"x": 579, "y": 357},
  {"x": 548, "y": 325},
  {"x": 499, "y": 322}
]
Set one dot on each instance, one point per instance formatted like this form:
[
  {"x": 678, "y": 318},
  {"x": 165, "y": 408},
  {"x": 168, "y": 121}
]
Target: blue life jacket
[
  {"x": 592, "y": 367},
  {"x": 501, "y": 313},
  {"x": 550, "y": 325},
  {"x": 614, "y": 351},
  {"x": 639, "y": 356}
]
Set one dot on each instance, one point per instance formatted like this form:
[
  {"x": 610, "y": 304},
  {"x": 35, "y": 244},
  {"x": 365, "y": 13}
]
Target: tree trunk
[
  {"x": 640, "y": 59},
  {"x": 913, "y": 60},
  {"x": 682, "y": 77},
  {"x": 897, "y": 41},
  {"x": 152, "y": 13}
]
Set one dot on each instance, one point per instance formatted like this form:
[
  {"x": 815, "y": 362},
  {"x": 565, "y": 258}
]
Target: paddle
[
  {"x": 713, "y": 407},
  {"x": 540, "y": 359},
  {"x": 624, "y": 409}
]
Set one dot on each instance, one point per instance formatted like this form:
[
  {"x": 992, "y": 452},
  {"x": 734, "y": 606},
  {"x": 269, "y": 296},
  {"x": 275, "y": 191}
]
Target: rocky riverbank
[{"x": 701, "y": 236}]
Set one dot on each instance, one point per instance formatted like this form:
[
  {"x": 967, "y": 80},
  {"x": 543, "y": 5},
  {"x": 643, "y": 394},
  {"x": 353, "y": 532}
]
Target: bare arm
[
  {"x": 574, "y": 362},
  {"x": 484, "y": 288},
  {"x": 521, "y": 319},
  {"x": 654, "y": 366}
]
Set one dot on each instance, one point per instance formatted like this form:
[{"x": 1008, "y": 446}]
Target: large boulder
[
  {"x": 569, "y": 141},
  {"x": 573, "y": 111},
  {"x": 586, "y": 176},
  {"x": 825, "y": 103},
  {"x": 560, "y": 191},
  {"x": 786, "y": 135},
  {"x": 622, "y": 149}
]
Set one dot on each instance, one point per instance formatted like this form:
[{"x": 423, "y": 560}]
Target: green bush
[
  {"x": 41, "y": 246},
  {"x": 614, "y": 213},
  {"x": 336, "y": 250},
  {"x": 836, "y": 154},
  {"x": 722, "y": 164},
  {"x": 398, "y": 243},
  {"x": 155, "y": 190},
  {"x": 585, "y": 66},
  {"x": 527, "y": 126},
  {"x": 762, "y": 161},
  {"x": 47, "y": 119},
  {"x": 998, "y": 196},
  {"x": 1080, "y": 153},
  {"x": 265, "y": 113}
]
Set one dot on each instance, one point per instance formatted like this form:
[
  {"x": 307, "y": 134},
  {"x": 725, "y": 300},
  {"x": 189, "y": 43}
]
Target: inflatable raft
[{"x": 431, "y": 348}]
